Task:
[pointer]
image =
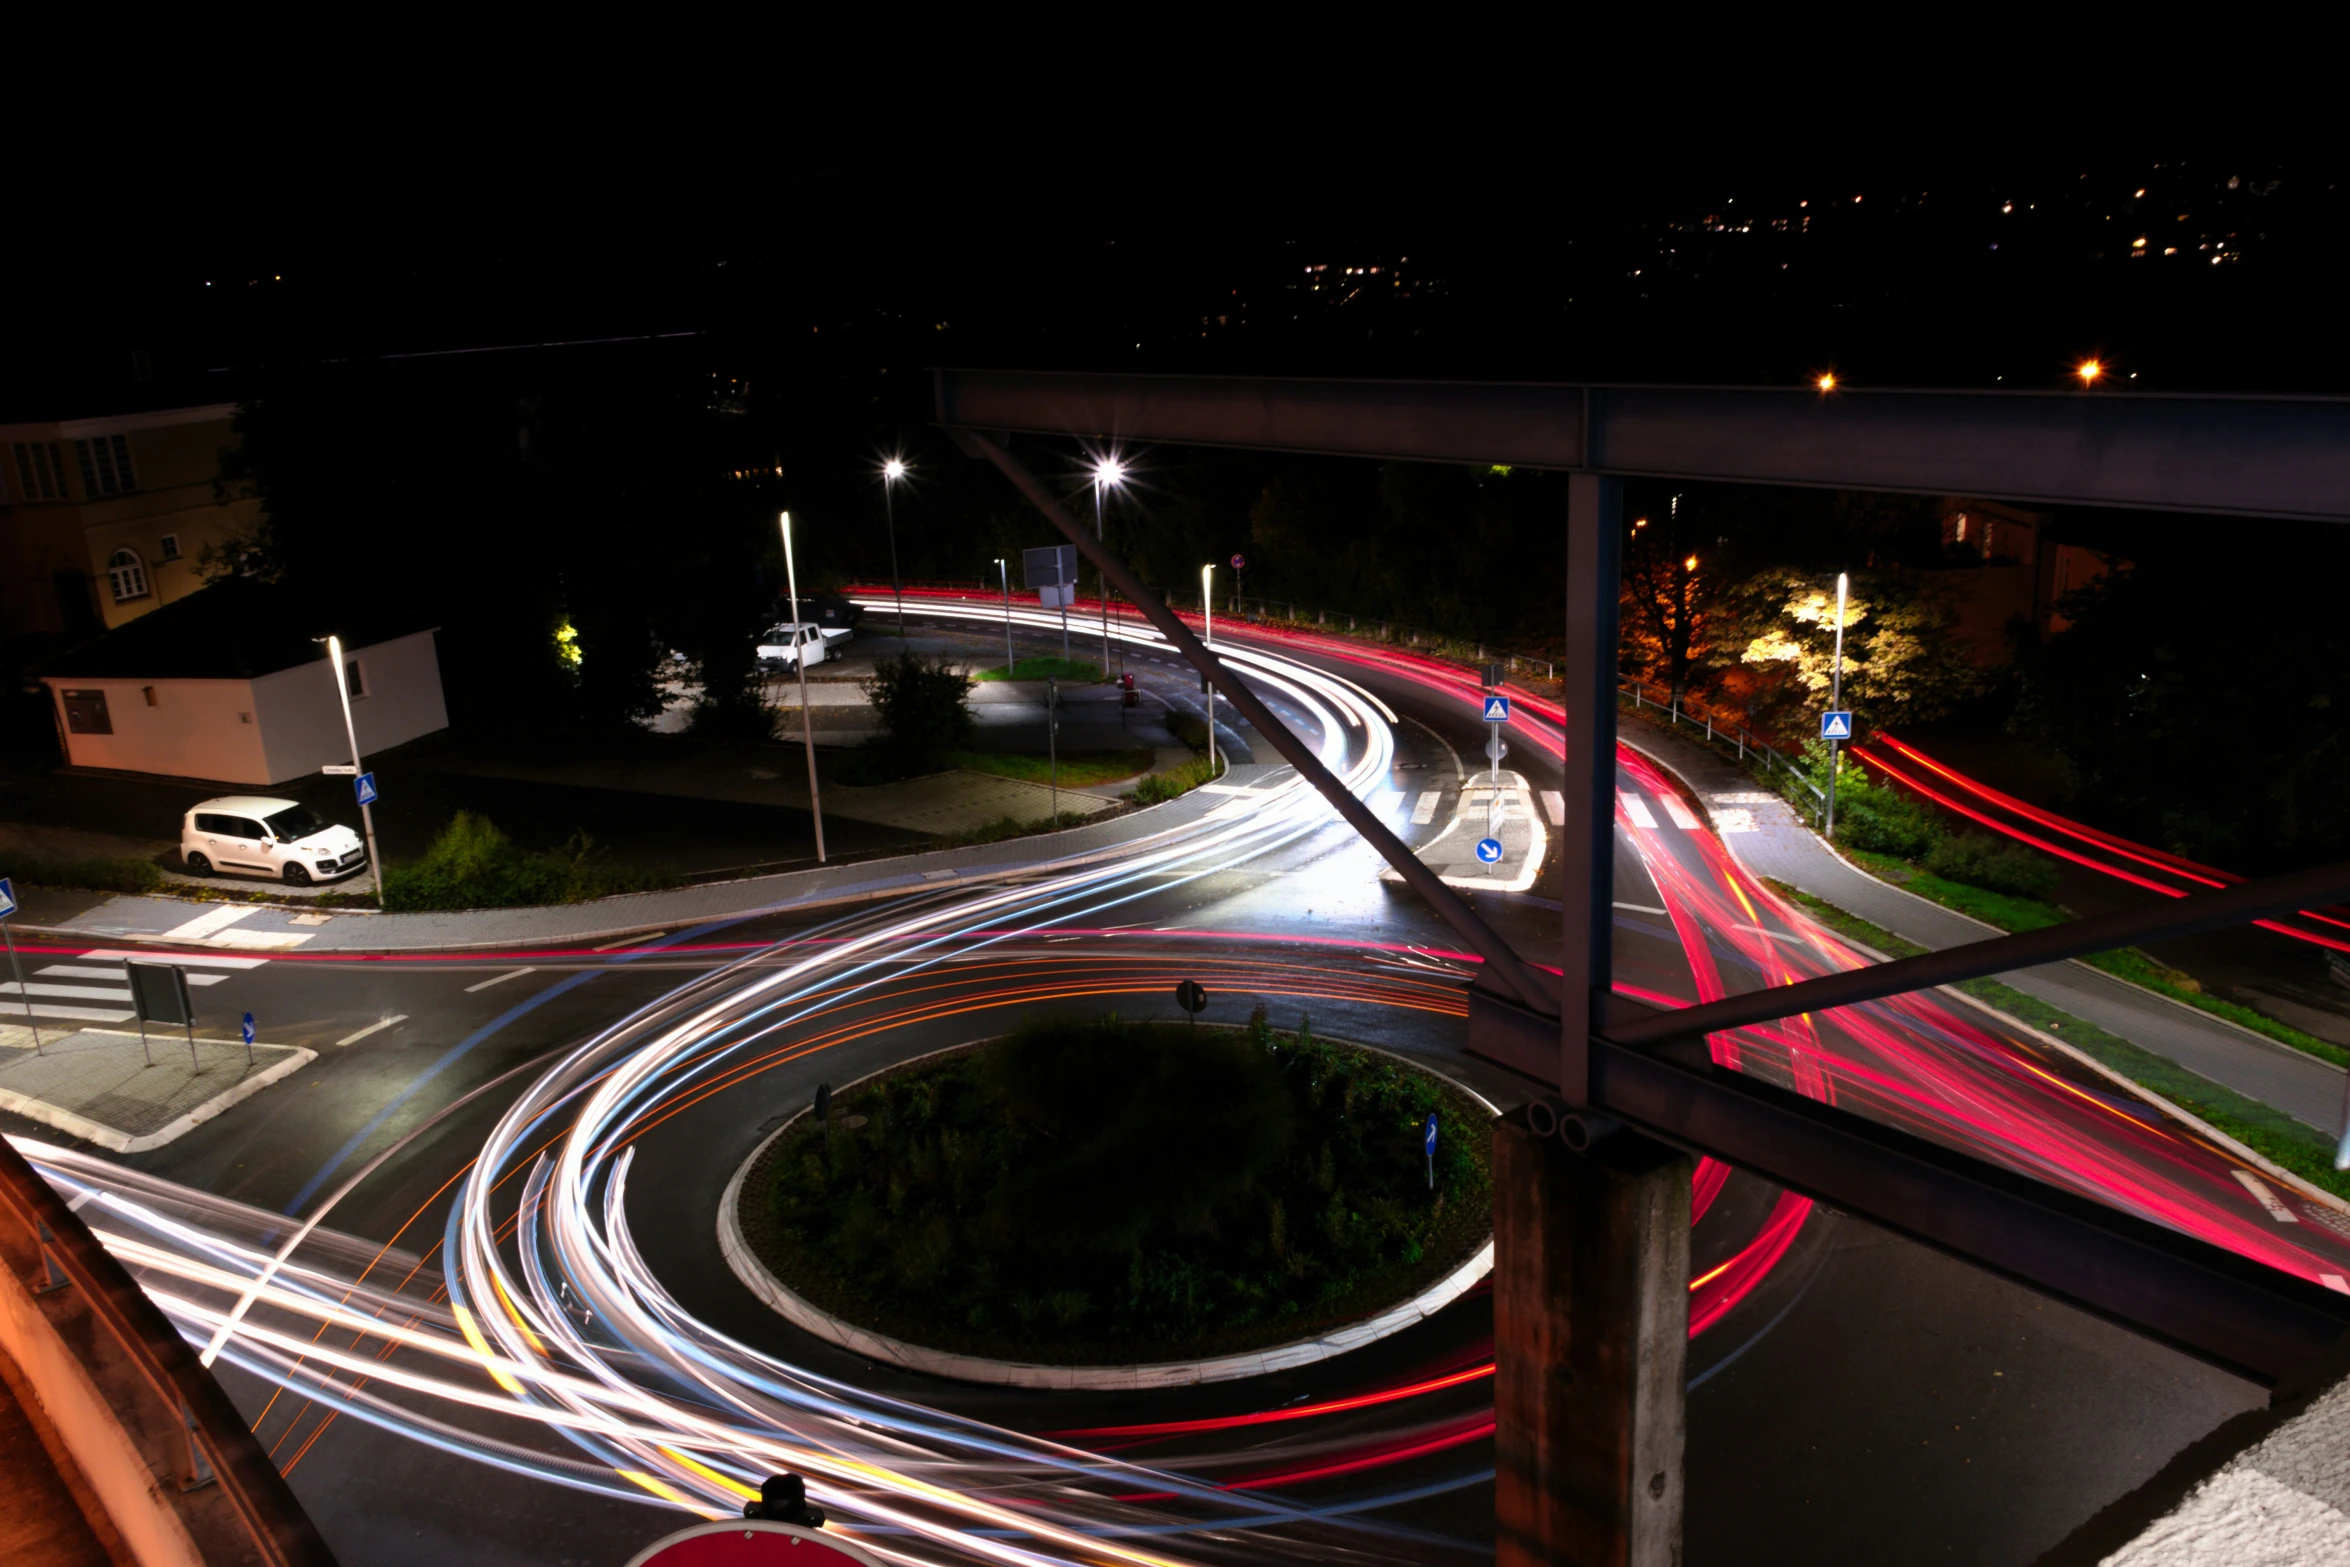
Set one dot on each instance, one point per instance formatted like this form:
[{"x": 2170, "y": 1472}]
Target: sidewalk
[
  {"x": 101, "y": 1086},
  {"x": 1771, "y": 840},
  {"x": 254, "y": 927}
]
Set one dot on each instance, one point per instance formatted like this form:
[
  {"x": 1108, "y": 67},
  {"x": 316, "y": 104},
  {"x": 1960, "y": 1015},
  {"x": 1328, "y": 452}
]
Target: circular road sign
[
  {"x": 1238, "y": 562},
  {"x": 1489, "y": 850},
  {"x": 752, "y": 1542},
  {"x": 1191, "y": 997}
]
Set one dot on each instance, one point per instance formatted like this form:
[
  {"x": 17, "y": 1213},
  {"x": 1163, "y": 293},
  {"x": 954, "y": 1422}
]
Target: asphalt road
[{"x": 1867, "y": 1401}]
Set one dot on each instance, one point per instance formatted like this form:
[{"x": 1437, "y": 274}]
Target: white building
[{"x": 228, "y": 686}]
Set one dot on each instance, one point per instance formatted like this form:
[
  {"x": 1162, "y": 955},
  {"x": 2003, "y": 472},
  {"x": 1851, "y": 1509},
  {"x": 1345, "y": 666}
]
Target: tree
[
  {"x": 920, "y": 702},
  {"x": 1901, "y": 662},
  {"x": 1671, "y": 600}
]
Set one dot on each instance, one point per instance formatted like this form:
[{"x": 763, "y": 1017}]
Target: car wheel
[
  {"x": 199, "y": 865},
  {"x": 295, "y": 875}
]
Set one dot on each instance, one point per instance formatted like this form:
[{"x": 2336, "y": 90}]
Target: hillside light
[
  {"x": 893, "y": 471},
  {"x": 1827, "y": 381},
  {"x": 2090, "y": 371}
]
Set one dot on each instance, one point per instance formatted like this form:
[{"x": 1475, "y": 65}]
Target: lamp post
[
  {"x": 1108, "y": 473},
  {"x": 1207, "y": 621},
  {"x": 893, "y": 471},
  {"x": 1835, "y": 701},
  {"x": 375, "y": 865},
  {"x": 791, "y": 580},
  {"x": 1004, "y": 570}
]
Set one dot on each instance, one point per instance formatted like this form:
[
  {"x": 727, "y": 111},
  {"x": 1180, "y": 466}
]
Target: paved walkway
[
  {"x": 1771, "y": 840},
  {"x": 105, "y": 1087},
  {"x": 258, "y": 928}
]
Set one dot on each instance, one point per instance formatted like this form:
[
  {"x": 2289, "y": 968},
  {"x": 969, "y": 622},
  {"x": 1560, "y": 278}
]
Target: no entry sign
[{"x": 753, "y": 1542}]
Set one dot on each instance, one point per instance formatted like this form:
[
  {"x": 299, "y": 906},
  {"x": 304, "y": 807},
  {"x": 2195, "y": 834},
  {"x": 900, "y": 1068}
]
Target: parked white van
[
  {"x": 264, "y": 836},
  {"x": 805, "y": 640}
]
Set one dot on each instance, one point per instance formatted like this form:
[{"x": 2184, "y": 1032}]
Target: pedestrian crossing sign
[
  {"x": 1835, "y": 726},
  {"x": 7, "y": 897},
  {"x": 1497, "y": 708}
]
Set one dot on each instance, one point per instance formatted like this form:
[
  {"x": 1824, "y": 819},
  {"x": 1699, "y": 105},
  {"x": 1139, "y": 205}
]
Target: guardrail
[
  {"x": 155, "y": 1438},
  {"x": 1752, "y": 750}
]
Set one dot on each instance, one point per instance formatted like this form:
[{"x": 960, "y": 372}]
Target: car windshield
[{"x": 296, "y": 822}]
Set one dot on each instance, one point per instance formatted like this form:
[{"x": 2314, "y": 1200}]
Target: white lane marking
[
  {"x": 1556, "y": 804},
  {"x": 2266, "y": 1198},
  {"x": 213, "y": 920},
  {"x": 500, "y": 979},
  {"x": 2335, "y": 1282},
  {"x": 206, "y": 959},
  {"x": 1424, "y": 809},
  {"x": 68, "y": 992},
  {"x": 1678, "y": 812},
  {"x": 80, "y": 971},
  {"x": 1642, "y": 908},
  {"x": 1636, "y": 808},
  {"x": 206, "y": 979},
  {"x": 628, "y": 941},
  {"x": 352, "y": 1039},
  {"x": 259, "y": 940},
  {"x": 70, "y": 1014},
  {"x": 1223, "y": 788}
]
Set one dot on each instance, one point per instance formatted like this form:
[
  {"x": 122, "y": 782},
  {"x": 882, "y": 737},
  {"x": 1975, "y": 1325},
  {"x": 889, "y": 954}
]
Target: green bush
[
  {"x": 1159, "y": 788},
  {"x": 95, "y": 873},
  {"x": 920, "y": 703},
  {"x": 472, "y": 865},
  {"x": 1069, "y": 671},
  {"x": 1984, "y": 861},
  {"x": 1190, "y": 729},
  {"x": 1883, "y": 821}
]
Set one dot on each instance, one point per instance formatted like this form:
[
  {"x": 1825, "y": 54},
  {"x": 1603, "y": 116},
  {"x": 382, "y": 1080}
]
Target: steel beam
[
  {"x": 1530, "y": 985},
  {"x": 2237, "y": 905},
  {"x": 2244, "y": 456},
  {"x": 1587, "y": 841}
]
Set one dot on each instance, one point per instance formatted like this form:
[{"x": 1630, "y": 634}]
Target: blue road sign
[
  {"x": 1497, "y": 708},
  {"x": 248, "y": 1028},
  {"x": 1428, "y": 1142},
  {"x": 7, "y": 897},
  {"x": 1835, "y": 726},
  {"x": 1489, "y": 850},
  {"x": 364, "y": 784}
]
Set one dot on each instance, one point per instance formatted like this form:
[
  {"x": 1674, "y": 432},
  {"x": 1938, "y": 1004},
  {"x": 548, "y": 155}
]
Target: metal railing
[
  {"x": 1724, "y": 733},
  {"x": 204, "y": 1464}
]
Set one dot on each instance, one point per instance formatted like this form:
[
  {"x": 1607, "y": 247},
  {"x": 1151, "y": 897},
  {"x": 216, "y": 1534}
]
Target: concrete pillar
[
  {"x": 1587, "y": 840},
  {"x": 1591, "y": 1332}
]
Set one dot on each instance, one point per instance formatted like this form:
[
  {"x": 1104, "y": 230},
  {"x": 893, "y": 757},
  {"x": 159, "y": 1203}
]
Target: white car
[
  {"x": 805, "y": 640},
  {"x": 267, "y": 837}
]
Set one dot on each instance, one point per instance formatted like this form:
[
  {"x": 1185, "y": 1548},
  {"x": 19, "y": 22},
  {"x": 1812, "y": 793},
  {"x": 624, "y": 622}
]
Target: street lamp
[
  {"x": 1207, "y": 621},
  {"x": 1108, "y": 474},
  {"x": 1835, "y": 702},
  {"x": 791, "y": 580},
  {"x": 375, "y": 865},
  {"x": 892, "y": 472},
  {"x": 1004, "y": 570},
  {"x": 2090, "y": 371}
]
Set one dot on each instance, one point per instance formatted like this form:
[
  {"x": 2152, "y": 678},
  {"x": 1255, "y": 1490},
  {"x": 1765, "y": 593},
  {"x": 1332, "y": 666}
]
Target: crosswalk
[
  {"x": 1636, "y": 809},
  {"x": 95, "y": 987}
]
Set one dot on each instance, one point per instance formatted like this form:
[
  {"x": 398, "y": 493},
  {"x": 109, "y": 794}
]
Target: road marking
[
  {"x": 1424, "y": 811},
  {"x": 68, "y": 992},
  {"x": 206, "y": 959},
  {"x": 78, "y": 971},
  {"x": 1636, "y": 808},
  {"x": 1556, "y": 804},
  {"x": 2335, "y": 1282},
  {"x": 1678, "y": 812},
  {"x": 352, "y": 1039},
  {"x": 500, "y": 979},
  {"x": 2266, "y": 1198},
  {"x": 68, "y": 1014},
  {"x": 205, "y": 924},
  {"x": 1642, "y": 908},
  {"x": 627, "y": 941}
]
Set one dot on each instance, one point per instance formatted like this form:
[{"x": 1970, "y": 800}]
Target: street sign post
[
  {"x": 1836, "y": 726},
  {"x": 1192, "y": 997},
  {"x": 1428, "y": 1144},
  {"x": 8, "y": 907},
  {"x": 364, "y": 787},
  {"x": 1497, "y": 708},
  {"x": 1052, "y": 571},
  {"x": 159, "y": 994},
  {"x": 248, "y": 1041},
  {"x": 1489, "y": 850}
]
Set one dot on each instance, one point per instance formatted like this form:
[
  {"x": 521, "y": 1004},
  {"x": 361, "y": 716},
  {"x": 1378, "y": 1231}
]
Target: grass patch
[
  {"x": 1013, "y": 827},
  {"x": 93, "y": 873},
  {"x": 1079, "y": 769},
  {"x": 1209, "y": 1190},
  {"x": 472, "y": 865},
  {"x": 1081, "y": 671},
  {"x": 1175, "y": 782},
  {"x": 2270, "y": 1132}
]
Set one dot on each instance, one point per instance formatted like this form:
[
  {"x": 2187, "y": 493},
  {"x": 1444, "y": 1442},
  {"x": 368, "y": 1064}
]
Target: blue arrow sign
[
  {"x": 364, "y": 784},
  {"x": 1428, "y": 1141},
  {"x": 1489, "y": 850},
  {"x": 1835, "y": 726},
  {"x": 1497, "y": 708},
  {"x": 248, "y": 1028},
  {"x": 7, "y": 897}
]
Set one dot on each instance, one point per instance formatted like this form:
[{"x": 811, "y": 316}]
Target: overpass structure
[{"x": 1592, "y": 1181}]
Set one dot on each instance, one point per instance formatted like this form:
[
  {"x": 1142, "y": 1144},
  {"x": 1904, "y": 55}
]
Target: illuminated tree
[{"x": 1901, "y": 661}]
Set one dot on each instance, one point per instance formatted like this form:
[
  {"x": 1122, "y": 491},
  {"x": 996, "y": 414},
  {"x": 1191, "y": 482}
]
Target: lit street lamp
[
  {"x": 893, "y": 471},
  {"x": 375, "y": 865},
  {"x": 791, "y": 579},
  {"x": 1207, "y": 621},
  {"x": 1108, "y": 473},
  {"x": 1835, "y": 702},
  {"x": 1011, "y": 665}
]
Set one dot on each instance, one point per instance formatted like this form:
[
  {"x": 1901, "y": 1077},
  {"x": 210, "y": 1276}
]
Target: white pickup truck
[{"x": 804, "y": 640}]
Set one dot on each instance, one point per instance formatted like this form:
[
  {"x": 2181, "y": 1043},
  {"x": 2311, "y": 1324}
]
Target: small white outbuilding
[{"x": 228, "y": 685}]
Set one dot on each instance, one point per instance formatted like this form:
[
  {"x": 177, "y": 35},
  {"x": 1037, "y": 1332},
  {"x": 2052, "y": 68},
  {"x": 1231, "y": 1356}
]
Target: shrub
[
  {"x": 920, "y": 703},
  {"x": 472, "y": 865},
  {"x": 96, "y": 873},
  {"x": 1190, "y": 729},
  {"x": 1883, "y": 821},
  {"x": 1991, "y": 863},
  {"x": 1159, "y": 788}
]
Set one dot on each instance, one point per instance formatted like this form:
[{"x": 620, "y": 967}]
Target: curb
[
  {"x": 115, "y": 1141},
  {"x": 812, "y": 1319}
]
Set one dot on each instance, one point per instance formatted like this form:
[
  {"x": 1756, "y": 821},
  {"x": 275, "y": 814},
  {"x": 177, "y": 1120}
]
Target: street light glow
[
  {"x": 894, "y": 469},
  {"x": 1109, "y": 471},
  {"x": 1827, "y": 381},
  {"x": 2089, "y": 370},
  {"x": 1690, "y": 564}
]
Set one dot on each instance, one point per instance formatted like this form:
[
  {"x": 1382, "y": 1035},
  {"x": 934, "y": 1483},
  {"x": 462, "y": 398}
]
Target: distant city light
[
  {"x": 2089, "y": 370},
  {"x": 1827, "y": 381},
  {"x": 2137, "y": 244}
]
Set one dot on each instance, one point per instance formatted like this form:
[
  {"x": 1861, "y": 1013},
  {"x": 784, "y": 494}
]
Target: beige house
[{"x": 101, "y": 520}]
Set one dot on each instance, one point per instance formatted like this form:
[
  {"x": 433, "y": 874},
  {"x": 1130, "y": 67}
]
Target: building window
[
  {"x": 356, "y": 678},
  {"x": 85, "y": 713},
  {"x": 39, "y": 475},
  {"x": 106, "y": 465},
  {"x": 127, "y": 574},
  {"x": 171, "y": 546},
  {"x": 1959, "y": 533}
]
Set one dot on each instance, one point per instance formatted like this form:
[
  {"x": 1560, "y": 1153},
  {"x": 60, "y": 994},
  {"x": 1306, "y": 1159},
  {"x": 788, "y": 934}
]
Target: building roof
[{"x": 236, "y": 629}]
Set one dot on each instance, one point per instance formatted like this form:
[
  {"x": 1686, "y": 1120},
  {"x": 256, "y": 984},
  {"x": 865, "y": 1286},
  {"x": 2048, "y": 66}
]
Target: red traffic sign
[
  {"x": 1238, "y": 563},
  {"x": 752, "y": 1542}
]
